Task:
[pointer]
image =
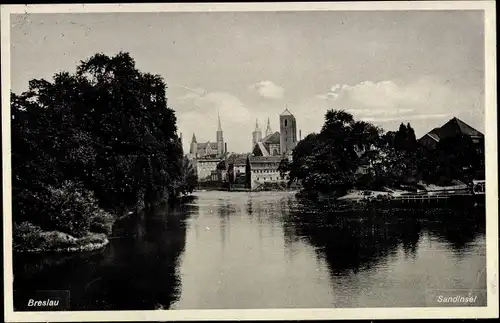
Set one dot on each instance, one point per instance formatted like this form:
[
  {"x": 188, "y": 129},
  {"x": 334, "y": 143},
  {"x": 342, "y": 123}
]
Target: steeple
[
  {"x": 193, "y": 149},
  {"x": 219, "y": 137},
  {"x": 218, "y": 117},
  {"x": 268, "y": 130},
  {"x": 256, "y": 134}
]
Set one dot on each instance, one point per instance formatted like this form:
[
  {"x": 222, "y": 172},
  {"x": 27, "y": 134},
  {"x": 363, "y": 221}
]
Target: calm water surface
[{"x": 228, "y": 250}]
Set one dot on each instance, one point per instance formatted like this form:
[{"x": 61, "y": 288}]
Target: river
[{"x": 238, "y": 250}]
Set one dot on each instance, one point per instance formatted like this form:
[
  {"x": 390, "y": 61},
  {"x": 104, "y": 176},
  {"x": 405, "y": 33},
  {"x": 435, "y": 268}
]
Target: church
[
  {"x": 276, "y": 143},
  {"x": 207, "y": 149},
  {"x": 206, "y": 156}
]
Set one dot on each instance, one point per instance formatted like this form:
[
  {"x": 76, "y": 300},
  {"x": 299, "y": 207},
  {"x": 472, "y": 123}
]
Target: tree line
[
  {"x": 102, "y": 140},
  {"x": 348, "y": 154}
]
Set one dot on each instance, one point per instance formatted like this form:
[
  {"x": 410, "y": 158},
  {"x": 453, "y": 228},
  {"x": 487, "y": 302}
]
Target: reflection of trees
[
  {"x": 356, "y": 243},
  {"x": 137, "y": 271},
  {"x": 459, "y": 228},
  {"x": 359, "y": 240}
]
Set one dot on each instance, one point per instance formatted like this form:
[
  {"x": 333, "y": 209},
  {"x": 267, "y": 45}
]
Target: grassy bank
[{"x": 31, "y": 238}]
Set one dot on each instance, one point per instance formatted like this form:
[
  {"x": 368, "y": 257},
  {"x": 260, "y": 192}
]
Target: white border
[{"x": 273, "y": 314}]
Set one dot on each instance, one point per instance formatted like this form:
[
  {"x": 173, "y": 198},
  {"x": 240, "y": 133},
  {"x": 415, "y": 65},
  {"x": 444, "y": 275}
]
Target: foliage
[
  {"x": 29, "y": 237},
  {"x": 248, "y": 177},
  {"x": 284, "y": 167},
  {"x": 188, "y": 179},
  {"x": 106, "y": 126},
  {"x": 349, "y": 153},
  {"x": 327, "y": 162}
]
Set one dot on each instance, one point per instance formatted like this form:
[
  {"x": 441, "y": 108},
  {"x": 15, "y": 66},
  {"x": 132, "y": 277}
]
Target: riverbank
[
  {"x": 30, "y": 238},
  {"x": 424, "y": 197}
]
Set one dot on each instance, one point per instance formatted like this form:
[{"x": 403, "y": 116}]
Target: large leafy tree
[
  {"x": 327, "y": 162},
  {"x": 107, "y": 126}
]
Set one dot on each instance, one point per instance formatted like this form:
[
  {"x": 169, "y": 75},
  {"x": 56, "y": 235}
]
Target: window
[
  {"x": 286, "y": 122},
  {"x": 264, "y": 178}
]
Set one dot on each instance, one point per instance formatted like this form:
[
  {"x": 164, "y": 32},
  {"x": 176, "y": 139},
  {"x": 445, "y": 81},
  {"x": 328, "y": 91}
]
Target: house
[
  {"x": 264, "y": 169},
  {"x": 206, "y": 168},
  {"x": 453, "y": 128}
]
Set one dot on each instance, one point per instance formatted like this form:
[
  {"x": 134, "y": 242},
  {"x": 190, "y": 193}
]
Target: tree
[
  {"x": 327, "y": 162},
  {"x": 107, "y": 126},
  {"x": 248, "y": 175}
]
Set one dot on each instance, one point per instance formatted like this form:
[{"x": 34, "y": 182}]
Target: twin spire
[{"x": 268, "y": 125}]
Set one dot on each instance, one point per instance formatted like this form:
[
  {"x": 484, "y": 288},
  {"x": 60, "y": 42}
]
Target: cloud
[
  {"x": 425, "y": 102},
  {"x": 268, "y": 89},
  {"x": 388, "y": 99}
]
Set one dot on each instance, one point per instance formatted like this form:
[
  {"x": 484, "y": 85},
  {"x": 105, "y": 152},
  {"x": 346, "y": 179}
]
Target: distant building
[
  {"x": 207, "y": 155},
  {"x": 256, "y": 134},
  {"x": 276, "y": 143},
  {"x": 208, "y": 149},
  {"x": 453, "y": 128},
  {"x": 288, "y": 132},
  {"x": 264, "y": 170},
  {"x": 206, "y": 168},
  {"x": 236, "y": 164}
]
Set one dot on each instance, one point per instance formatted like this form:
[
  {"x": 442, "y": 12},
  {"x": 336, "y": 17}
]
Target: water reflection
[
  {"x": 234, "y": 250},
  {"x": 394, "y": 258},
  {"x": 137, "y": 270}
]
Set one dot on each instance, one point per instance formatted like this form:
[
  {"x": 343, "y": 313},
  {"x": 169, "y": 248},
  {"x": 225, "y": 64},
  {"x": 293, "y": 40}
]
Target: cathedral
[
  {"x": 276, "y": 143},
  {"x": 208, "y": 149}
]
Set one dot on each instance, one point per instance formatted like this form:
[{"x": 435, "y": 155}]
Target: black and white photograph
[{"x": 249, "y": 161}]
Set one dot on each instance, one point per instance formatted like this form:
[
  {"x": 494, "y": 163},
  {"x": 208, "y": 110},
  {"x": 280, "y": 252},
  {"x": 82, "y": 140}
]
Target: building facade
[
  {"x": 207, "y": 155},
  {"x": 264, "y": 170},
  {"x": 276, "y": 143},
  {"x": 288, "y": 132},
  {"x": 215, "y": 149}
]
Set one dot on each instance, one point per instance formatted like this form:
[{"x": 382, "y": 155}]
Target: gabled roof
[
  {"x": 286, "y": 113},
  {"x": 204, "y": 145},
  {"x": 273, "y": 138},
  {"x": 262, "y": 149},
  {"x": 454, "y": 127}
]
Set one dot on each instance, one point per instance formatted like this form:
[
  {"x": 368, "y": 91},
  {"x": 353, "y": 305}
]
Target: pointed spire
[
  {"x": 268, "y": 130},
  {"x": 218, "y": 116},
  {"x": 193, "y": 140},
  {"x": 257, "y": 124}
]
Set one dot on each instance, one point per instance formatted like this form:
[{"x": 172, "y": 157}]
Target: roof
[
  {"x": 286, "y": 113},
  {"x": 454, "y": 127},
  {"x": 238, "y": 159},
  {"x": 273, "y": 138},
  {"x": 432, "y": 136},
  {"x": 265, "y": 159},
  {"x": 203, "y": 145}
]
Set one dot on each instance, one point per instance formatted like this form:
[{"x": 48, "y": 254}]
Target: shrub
[
  {"x": 28, "y": 236},
  {"x": 69, "y": 209},
  {"x": 102, "y": 222}
]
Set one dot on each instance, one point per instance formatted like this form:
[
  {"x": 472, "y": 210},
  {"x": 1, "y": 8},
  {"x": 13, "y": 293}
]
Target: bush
[
  {"x": 68, "y": 209},
  {"x": 102, "y": 222},
  {"x": 29, "y": 237}
]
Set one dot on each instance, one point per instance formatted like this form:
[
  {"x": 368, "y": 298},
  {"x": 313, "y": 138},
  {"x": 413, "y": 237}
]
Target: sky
[{"x": 385, "y": 67}]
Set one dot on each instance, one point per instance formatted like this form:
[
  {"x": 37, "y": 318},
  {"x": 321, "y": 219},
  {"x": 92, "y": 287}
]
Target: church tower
[
  {"x": 194, "y": 146},
  {"x": 256, "y": 135},
  {"x": 268, "y": 130},
  {"x": 288, "y": 132},
  {"x": 220, "y": 138}
]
